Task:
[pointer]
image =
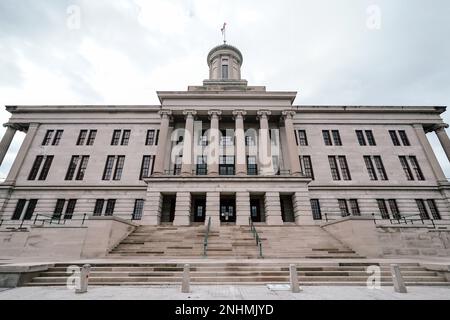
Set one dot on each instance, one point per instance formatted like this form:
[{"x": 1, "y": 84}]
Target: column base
[{"x": 274, "y": 220}]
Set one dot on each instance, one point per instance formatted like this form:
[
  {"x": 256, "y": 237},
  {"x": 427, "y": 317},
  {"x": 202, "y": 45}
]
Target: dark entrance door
[
  {"x": 199, "y": 210},
  {"x": 227, "y": 210},
  {"x": 255, "y": 210}
]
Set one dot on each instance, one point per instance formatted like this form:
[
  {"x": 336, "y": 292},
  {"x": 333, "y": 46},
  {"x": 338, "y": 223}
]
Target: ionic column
[
  {"x": 23, "y": 151},
  {"x": 213, "y": 209},
  {"x": 241, "y": 161},
  {"x": 264, "y": 152},
  {"x": 214, "y": 146},
  {"x": 151, "y": 214},
  {"x": 162, "y": 143},
  {"x": 182, "y": 209},
  {"x": 443, "y": 138},
  {"x": 242, "y": 208},
  {"x": 186, "y": 167},
  {"x": 272, "y": 208},
  {"x": 6, "y": 141},
  {"x": 429, "y": 153},
  {"x": 291, "y": 145}
]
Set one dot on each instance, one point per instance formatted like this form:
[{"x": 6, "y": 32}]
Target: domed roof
[{"x": 224, "y": 47}]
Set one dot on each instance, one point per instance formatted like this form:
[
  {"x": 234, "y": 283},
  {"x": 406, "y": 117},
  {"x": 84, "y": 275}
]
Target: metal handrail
[
  {"x": 256, "y": 236},
  {"x": 205, "y": 240},
  {"x": 406, "y": 219},
  {"x": 42, "y": 221}
]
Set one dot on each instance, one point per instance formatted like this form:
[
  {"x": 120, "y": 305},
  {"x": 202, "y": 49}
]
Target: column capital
[
  {"x": 189, "y": 113},
  {"x": 165, "y": 114},
  {"x": 214, "y": 113},
  {"x": 263, "y": 114},
  {"x": 239, "y": 113},
  {"x": 437, "y": 127},
  {"x": 14, "y": 126},
  {"x": 288, "y": 114}
]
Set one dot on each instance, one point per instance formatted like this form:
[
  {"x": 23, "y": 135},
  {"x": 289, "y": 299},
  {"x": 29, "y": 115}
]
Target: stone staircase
[
  {"x": 288, "y": 241},
  {"x": 310, "y": 273}
]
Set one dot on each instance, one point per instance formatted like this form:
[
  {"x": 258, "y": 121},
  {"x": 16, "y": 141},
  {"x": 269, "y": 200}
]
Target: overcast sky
[{"x": 352, "y": 52}]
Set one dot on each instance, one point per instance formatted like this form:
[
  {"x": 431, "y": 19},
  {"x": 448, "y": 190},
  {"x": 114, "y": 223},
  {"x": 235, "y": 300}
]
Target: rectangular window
[
  {"x": 59, "y": 207},
  {"x": 404, "y": 137},
  {"x": 150, "y": 139},
  {"x": 108, "y": 168},
  {"x": 302, "y": 139},
  {"x": 224, "y": 71},
  {"x": 252, "y": 167},
  {"x": 306, "y": 164},
  {"x": 145, "y": 167},
  {"x": 433, "y": 209},
  {"x": 138, "y": 208},
  {"x": 46, "y": 167},
  {"x": 416, "y": 168},
  {"x": 91, "y": 138},
  {"x": 380, "y": 167},
  {"x": 119, "y": 167},
  {"x": 81, "y": 137},
  {"x": 18, "y": 210},
  {"x": 30, "y": 209},
  {"x": 334, "y": 169},
  {"x": 70, "y": 208},
  {"x": 422, "y": 209},
  {"x": 249, "y": 141},
  {"x": 360, "y": 137},
  {"x": 125, "y": 137},
  {"x": 202, "y": 166},
  {"x": 345, "y": 171},
  {"x": 98, "y": 207},
  {"x": 394, "y": 137},
  {"x": 343, "y": 208},
  {"x": 177, "y": 165},
  {"x": 35, "y": 168},
  {"x": 315, "y": 208},
  {"x": 406, "y": 168},
  {"x": 354, "y": 207},
  {"x": 47, "y": 137},
  {"x": 72, "y": 167},
  {"x": 82, "y": 168},
  {"x": 115, "y": 138},
  {"x": 370, "y": 138},
  {"x": 394, "y": 209},
  {"x": 370, "y": 168},
  {"x": 226, "y": 165},
  {"x": 327, "y": 138},
  {"x": 57, "y": 137},
  {"x": 110, "y": 204},
  {"x": 383, "y": 209},
  {"x": 336, "y": 137}
]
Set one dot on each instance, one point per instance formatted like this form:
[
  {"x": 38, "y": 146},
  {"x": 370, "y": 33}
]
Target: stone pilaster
[
  {"x": 182, "y": 209},
  {"x": 186, "y": 167},
  {"x": 302, "y": 208},
  {"x": 214, "y": 143},
  {"x": 152, "y": 208},
  {"x": 272, "y": 207},
  {"x": 23, "y": 151},
  {"x": 6, "y": 141},
  {"x": 429, "y": 153},
  {"x": 292, "y": 146},
  {"x": 213, "y": 209},
  {"x": 242, "y": 208},
  {"x": 241, "y": 157},
  {"x": 163, "y": 137},
  {"x": 264, "y": 152}
]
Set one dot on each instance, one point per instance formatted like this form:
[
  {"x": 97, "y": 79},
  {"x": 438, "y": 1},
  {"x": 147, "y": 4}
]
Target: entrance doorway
[
  {"x": 287, "y": 208},
  {"x": 228, "y": 208},
  {"x": 257, "y": 208},
  {"x": 168, "y": 208},
  {"x": 198, "y": 208}
]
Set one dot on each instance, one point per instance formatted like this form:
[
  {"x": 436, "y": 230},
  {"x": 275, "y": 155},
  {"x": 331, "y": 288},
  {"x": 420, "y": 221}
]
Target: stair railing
[
  {"x": 256, "y": 236},
  {"x": 205, "y": 240}
]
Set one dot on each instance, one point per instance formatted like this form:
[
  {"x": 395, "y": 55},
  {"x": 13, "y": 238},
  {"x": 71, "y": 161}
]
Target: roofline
[{"x": 371, "y": 108}]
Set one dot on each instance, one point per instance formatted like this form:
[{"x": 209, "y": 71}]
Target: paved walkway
[{"x": 223, "y": 292}]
